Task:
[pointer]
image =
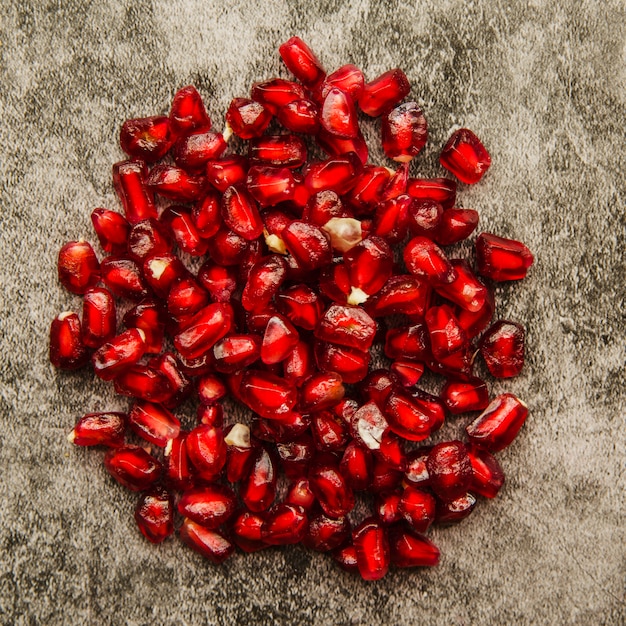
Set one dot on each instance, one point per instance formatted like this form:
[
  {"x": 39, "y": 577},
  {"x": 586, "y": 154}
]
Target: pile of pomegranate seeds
[{"x": 307, "y": 264}]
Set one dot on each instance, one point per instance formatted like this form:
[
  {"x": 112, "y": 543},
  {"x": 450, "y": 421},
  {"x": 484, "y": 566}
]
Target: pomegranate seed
[
  {"x": 276, "y": 93},
  {"x": 247, "y": 531},
  {"x": 206, "y": 215},
  {"x": 112, "y": 230},
  {"x": 154, "y": 423},
  {"x": 498, "y": 425},
  {"x": 118, "y": 354},
  {"x": 391, "y": 221},
  {"x": 402, "y": 293},
  {"x": 211, "y": 389},
  {"x": 161, "y": 271},
  {"x": 186, "y": 297},
  {"x": 192, "y": 152},
  {"x": 133, "y": 467},
  {"x": 211, "y": 415},
  {"x": 464, "y": 396},
  {"x": 321, "y": 391},
  {"x": 338, "y": 114},
  {"x": 146, "y": 138},
  {"x": 465, "y": 289},
  {"x": 487, "y": 475},
  {"x": 465, "y": 156},
  {"x": 270, "y": 185},
  {"x": 351, "y": 364},
  {"x": 417, "y": 507},
  {"x": 372, "y": 549},
  {"x": 227, "y": 171},
  {"x": 211, "y": 544},
  {"x": 148, "y": 317},
  {"x": 347, "y": 326},
  {"x": 456, "y": 225},
  {"x": 410, "y": 342},
  {"x": 345, "y": 557},
  {"x": 258, "y": 488},
  {"x": 209, "y": 506},
  {"x": 300, "y": 493},
  {"x": 425, "y": 258},
  {"x": 236, "y": 352},
  {"x": 124, "y": 278},
  {"x": 408, "y": 372},
  {"x": 416, "y": 473},
  {"x": 453, "y": 511},
  {"x": 206, "y": 450},
  {"x": 240, "y": 212},
  {"x": 330, "y": 433},
  {"x": 78, "y": 267},
  {"x": 188, "y": 113},
  {"x": 301, "y": 305},
  {"x": 502, "y": 259},
  {"x": 302, "y": 62},
  {"x": 129, "y": 180},
  {"x": 219, "y": 281},
  {"x": 368, "y": 425},
  {"x": 175, "y": 183},
  {"x": 100, "y": 429},
  {"x": 267, "y": 394},
  {"x": 384, "y": 477},
  {"x": 278, "y": 150},
  {"x": 148, "y": 237},
  {"x": 309, "y": 245},
  {"x": 424, "y": 217},
  {"x": 284, "y": 524},
  {"x": 378, "y": 385},
  {"x": 204, "y": 329},
  {"x": 299, "y": 363},
  {"x": 168, "y": 365},
  {"x": 300, "y": 116},
  {"x": 440, "y": 190},
  {"x": 247, "y": 118},
  {"x": 295, "y": 458},
  {"x": 154, "y": 515},
  {"x": 330, "y": 487},
  {"x": 368, "y": 189},
  {"x": 391, "y": 451},
  {"x": 475, "y": 323},
  {"x": 349, "y": 78},
  {"x": 279, "y": 340},
  {"x": 409, "y": 418},
  {"x": 369, "y": 265},
  {"x": 397, "y": 183},
  {"x": 336, "y": 146},
  {"x": 387, "y": 507},
  {"x": 325, "y": 534},
  {"x": 176, "y": 463},
  {"x": 410, "y": 549},
  {"x": 404, "y": 132},
  {"x": 98, "y": 317},
  {"x": 356, "y": 466},
  {"x": 240, "y": 452},
  {"x": 145, "y": 383},
  {"x": 449, "y": 469},
  {"x": 384, "y": 92},
  {"x": 502, "y": 347},
  {"x": 337, "y": 173},
  {"x": 446, "y": 335}
]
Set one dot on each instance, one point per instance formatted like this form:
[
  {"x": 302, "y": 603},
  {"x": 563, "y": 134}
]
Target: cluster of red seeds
[{"x": 299, "y": 282}]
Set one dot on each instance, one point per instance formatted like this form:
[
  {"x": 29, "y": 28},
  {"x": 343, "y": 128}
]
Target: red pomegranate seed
[
  {"x": 309, "y": 245},
  {"x": 356, "y": 466},
  {"x": 177, "y": 467},
  {"x": 295, "y": 458},
  {"x": 425, "y": 258},
  {"x": 347, "y": 326},
  {"x": 99, "y": 320},
  {"x": 409, "y": 418},
  {"x": 391, "y": 220},
  {"x": 211, "y": 389},
  {"x": 487, "y": 475},
  {"x": 100, "y": 429},
  {"x": 325, "y": 534},
  {"x": 301, "y": 305},
  {"x": 386, "y": 507},
  {"x": 372, "y": 549},
  {"x": 502, "y": 259},
  {"x": 206, "y": 215},
  {"x": 410, "y": 342},
  {"x": 410, "y": 549},
  {"x": 446, "y": 335},
  {"x": 456, "y": 225},
  {"x": 246, "y": 528},
  {"x": 210, "y": 506},
  {"x": 378, "y": 385},
  {"x": 391, "y": 451},
  {"x": 383, "y": 93},
  {"x": 118, "y": 354},
  {"x": 129, "y": 180},
  {"x": 440, "y": 190},
  {"x": 279, "y": 340},
  {"x": 204, "y": 329},
  {"x": 402, "y": 293},
  {"x": 78, "y": 267},
  {"x": 348, "y": 78},
  {"x": 449, "y": 469},
  {"x": 148, "y": 317},
  {"x": 154, "y": 514},
  {"x": 408, "y": 372},
  {"x": 284, "y": 524},
  {"x": 338, "y": 173},
  {"x": 463, "y": 396},
  {"x": 227, "y": 171},
  {"x": 330, "y": 487},
  {"x": 397, "y": 183},
  {"x": 211, "y": 415},
  {"x": 270, "y": 185},
  {"x": 417, "y": 507},
  {"x": 502, "y": 347},
  {"x": 240, "y": 212},
  {"x": 345, "y": 557},
  {"x": 175, "y": 183},
  {"x": 384, "y": 477},
  {"x": 368, "y": 425},
  {"x": 211, "y": 544},
  {"x": 267, "y": 394},
  {"x": 369, "y": 265},
  {"x": 302, "y": 62},
  {"x": 416, "y": 473},
  {"x": 368, "y": 189},
  {"x": 276, "y": 93},
  {"x": 186, "y": 297},
  {"x": 154, "y": 423},
  {"x": 123, "y": 277},
  {"x": 148, "y": 237},
  {"x": 146, "y": 138},
  {"x": 498, "y": 425},
  {"x": 299, "y": 492},
  {"x": 258, "y": 488},
  {"x": 424, "y": 217},
  {"x": 192, "y": 152},
  {"x": 336, "y": 146},
  {"x": 133, "y": 467},
  {"x": 465, "y": 289},
  {"x": 351, "y": 364},
  {"x": 236, "y": 352},
  {"x": 188, "y": 113},
  {"x": 300, "y": 116},
  {"x": 219, "y": 281},
  {"x": 206, "y": 450},
  {"x": 453, "y": 511},
  {"x": 338, "y": 114},
  {"x": 247, "y": 118},
  {"x": 145, "y": 383},
  {"x": 475, "y": 323},
  {"x": 321, "y": 391},
  {"x": 330, "y": 433},
  {"x": 263, "y": 282},
  {"x": 161, "y": 271},
  {"x": 112, "y": 230},
  {"x": 299, "y": 363},
  {"x": 240, "y": 452},
  {"x": 278, "y": 150},
  {"x": 404, "y": 132},
  {"x": 170, "y": 366},
  {"x": 465, "y": 156}
]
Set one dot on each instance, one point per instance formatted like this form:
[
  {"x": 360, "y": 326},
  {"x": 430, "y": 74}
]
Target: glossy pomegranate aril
[
  {"x": 372, "y": 549},
  {"x": 177, "y": 467},
  {"x": 188, "y": 113},
  {"x": 402, "y": 293},
  {"x": 183, "y": 228},
  {"x": 462, "y": 396},
  {"x": 404, "y": 132},
  {"x": 502, "y": 259},
  {"x": 118, "y": 354},
  {"x": 276, "y": 93},
  {"x": 299, "y": 363},
  {"x": 302, "y": 305},
  {"x": 211, "y": 544},
  {"x": 129, "y": 180},
  {"x": 409, "y": 419},
  {"x": 171, "y": 367},
  {"x": 279, "y": 340},
  {"x": 384, "y": 477},
  {"x": 449, "y": 469},
  {"x": 487, "y": 475},
  {"x": 209, "y": 506},
  {"x": 410, "y": 342},
  {"x": 325, "y": 534},
  {"x": 369, "y": 265},
  {"x": 246, "y": 527},
  {"x": 308, "y": 244},
  {"x": 154, "y": 514},
  {"x": 424, "y": 217},
  {"x": 124, "y": 278},
  {"x": 408, "y": 372},
  {"x": 453, "y": 511},
  {"x": 153, "y": 423},
  {"x": 133, "y": 467},
  {"x": 145, "y": 383},
  {"x": 351, "y": 364},
  {"x": 192, "y": 152},
  {"x": 496, "y": 427},
  {"x": 219, "y": 281},
  {"x": 348, "y": 78},
  {"x": 270, "y": 185},
  {"x": 148, "y": 317},
  {"x": 465, "y": 156},
  {"x": 440, "y": 190},
  {"x": 112, "y": 230},
  {"x": 383, "y": 93},
  {"x": 267, "y": 394},
  {"x": 391, "y": 221},
  {"x": 100, "y": 429},
  {"x": 146, "y": 138},
  {"x": 330, "y": 487},
  {"x": 446, "y": 335},
  {"x": 391, "y": 451},
  {"x": 206, "y": 215},
  {"x": 465, "y": 289},
  {"x": 338, "y": 114},
  {"x": 240, "y": 452},
  {"x": 347, "y": 326},
  {"x": 241, "y": 213},
  {"x": 161, "y": 271},
  {"x": 206, "y": 450},
  {"x": 227, "y": 171},
  {"x": 330, "y": 433},
  {"x": 410, "y": 549},
  {"x": 279, "y": 150},
  {"x": 235, "y": 352},
  {"x": 175, "y": 183},
  {"x": 211, "y": 415},
  {"x": 386, "y": 507},
  {"x": 300, "y": 116},
  {"x": 356, "y": 466},
  {"x": 258, "y": 487},
  {"x": 337, "y": 173},
  {"x": 78, "y": 267},
  {"x": 368, "y": 189},
  {"x": 186, "y": 297},
  {"x": 423, "y": 257},
  {"x": 302, "y": 62},
  {"x": 148, "y": 237},
  {"x": 295, "y": 458},
  {"x": 417, "y": 507},
  {"x": 321, "y": 391},
  {"x": 247, "y": 118},
  {"x": 416, "y": 472},
  {"x": 456, "y": 225},
  {"x": 345, "y": 557},
  {"x": 204, "y": 329},
  {"x": 502, "y": 347},
  {"x": 285, "y": 524},
  {"x": 99, "y": 321}
]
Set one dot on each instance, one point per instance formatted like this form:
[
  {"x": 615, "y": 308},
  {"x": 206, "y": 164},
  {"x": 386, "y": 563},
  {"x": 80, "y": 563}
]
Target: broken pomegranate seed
[
  {"x": 155, "y": 514},
  {"x": 404, "y": 132}
]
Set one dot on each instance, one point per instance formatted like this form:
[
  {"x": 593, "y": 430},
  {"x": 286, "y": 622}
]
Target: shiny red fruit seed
[
  {"x": 449, "y": 469},
  {"x": 100, "y": 429},
  {"x": 133, "y": 467},
  {"x": 502, "y": 259},
  {"x": 465, "y": 156},
  {"x": 502, "y": 347},
  {"x": 154, "y": 423},
  {"x": 211, "y": 544},
  {"x": 148, "y": 138},
  {"x": 154, "y": 515},
  {"x": 404, "y": 132},
  {"x": 78, "y": 267},
  {"x": 384, "y": 92},
  {"x": 372, "y": 549}
]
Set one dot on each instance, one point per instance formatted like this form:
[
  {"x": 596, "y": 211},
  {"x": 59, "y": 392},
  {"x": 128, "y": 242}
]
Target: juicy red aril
[
  {"x": 308, "y": 244},
  {"x": 193, "y": 151},
  {"x": 278, "y": 341},
  {"x": 148, "y": 237},
  {"x": 267, "y": 394},
  {"x": 446, "y": 335},
  {"x": 206, "y": 450},
  {"x": 410, "y": 549},
  {"x": 99, "y": 319},
  {"x": 330, "y": 488},
  {"x": 411, "y": 342},
  {"x": 302, "y": 62},
  {"x": 449, "y": 469},
  {"x": 347, "y": 326},
  {"x": 276, "y": 93},
  {"x": 338, "y": 114},
  {"x": 349, "y": 78},
  {"x": 186, "y": 297},
  {"x": 464, "y": 289},
  {"x": 240, "y": 452},
  {"x": 416, "y": 473},
  {"x": 78, "y": 267},
  {"x": 383, "y": 93},
  {"x": 188, "y": 113},
  {"x": 145, "y": 383},
  {"x": 258, "y": 488},
  {"x": 284, "y": 524},
  {"x": 148, "y": 317},
  {"x": 402, "y": 293},
  {"x": 240, "y": 212},
  {"x": 372, "y": 549},
  {"x": 133, "y": 467},
  {"x": 325, "y": 534},
  {"x": 118, "y": 354},
  {"x": 211, "y": 544},
  {"x": 235, "y": 352},
  {"x": 417, "y": 507},
  {"x": 124, "y": 278},
  {"x": 219, "y": 281},
  {"x": 211, "y": 415},
  {"x": 299, "y": 116},
  {"x": 321, "y": 391},
  {"x": 502, "y": 347},
  {"x": 424, "y": 217},
  {"x": 337, "y": 173},
  {"x": 423, "y": 257},
  {"x": 408, "y": 372},
  {"x": 129, "y": 180},
  {"x": 463, "y": 396},
  {"x": 264, "y": 279},
  {"x": 209, "y": 506},
  {"x": 408, "y": 418},
  {"x": 171, "y": 368},
  {"x": 456, "y": 225},
  {"x": 177, "y": 467},
  {"x": 175, "y": 183},
  {"x": 351, "y": 364},
  {"x": 330, "y": 433},
  {"x": 487, "y": 475},
  {"x": 270, "y": 185},
  {"x": 404, "y": 132},
  {"x": 345, "y": 557},
  {"x": 204, "y": 329},
  {"x": 161, "y": 271},
  {"x": 356, "y": 466},
  {"x": 154, "y": 423},
  {"x": 295, "y": 458},
  {"x": 465, "y": 156},
  {"x": 154, "y": 514},
  {"x": 301, "y": 305},
  {"x": 146, "y": 138},
  {"x": 247, "y": 118},
  {"x": 369, "y": 266},
  {"x": 278, "y": 150},
  {"x": 440, "y": 190},
  {"x": 453, "y": 511},
  {"x": 298, "y": 364},
  {"x": 496, "y": 427},
  {"x": 502, "y": 259},
  {"x": 112, "y": 230},
  {"x": 226, "y": 171},
  {"x": 100, "y": 429},
  {"x": 247, "y": 531}
]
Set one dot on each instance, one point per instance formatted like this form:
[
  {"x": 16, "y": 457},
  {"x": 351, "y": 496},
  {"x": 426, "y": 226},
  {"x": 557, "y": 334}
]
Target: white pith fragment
[
  {"x": 157, "y": 267},
  {"x": 357, "y": 296},
  {"x": 228, "y": 132},
  {"x": 239, "y": 436},
  {"x": 71, "y": 437},
  {"x": 345, "y": 232},
  {"x": 275, "y": 243},
  {"x": 64, "y": 315}
]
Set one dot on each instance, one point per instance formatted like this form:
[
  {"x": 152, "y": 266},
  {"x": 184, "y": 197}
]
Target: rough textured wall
[{"x": 544, "y": 85}]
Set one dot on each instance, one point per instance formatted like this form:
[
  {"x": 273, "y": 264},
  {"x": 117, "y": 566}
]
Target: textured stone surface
[{"x": 544, "y": 85}]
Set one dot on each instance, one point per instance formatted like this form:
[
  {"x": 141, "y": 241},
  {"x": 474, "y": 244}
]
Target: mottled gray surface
[{"x": 544, "y": 85}]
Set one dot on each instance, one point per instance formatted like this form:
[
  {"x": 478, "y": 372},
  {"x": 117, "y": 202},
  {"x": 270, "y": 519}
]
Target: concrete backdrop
[{"x": 544, "y": 85}]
